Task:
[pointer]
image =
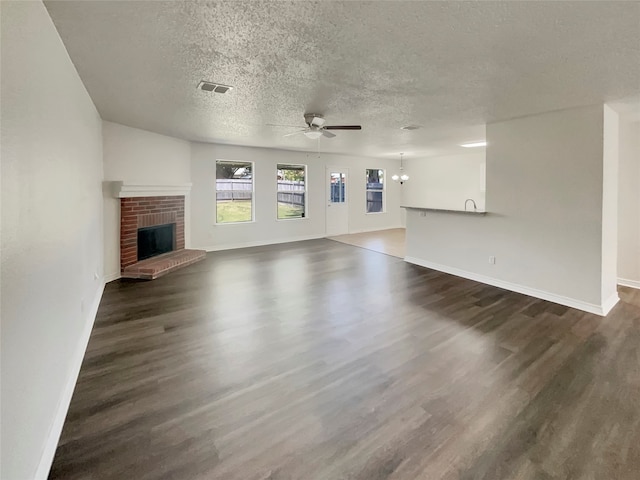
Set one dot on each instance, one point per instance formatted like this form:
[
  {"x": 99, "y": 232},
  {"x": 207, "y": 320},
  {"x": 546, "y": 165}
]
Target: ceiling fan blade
[
  {"x": 276, "y": 125},
  {"x": 343, "y": 127},
  {"x": 328, "y": 134},
  {"x": 295, "y": 133}
]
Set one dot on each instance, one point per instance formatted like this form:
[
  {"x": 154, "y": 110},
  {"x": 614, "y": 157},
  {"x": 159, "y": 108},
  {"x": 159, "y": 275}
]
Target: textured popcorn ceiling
[{"x": 449, "y": 67}]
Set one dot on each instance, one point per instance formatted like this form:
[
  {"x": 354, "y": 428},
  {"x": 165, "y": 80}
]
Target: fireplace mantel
[{"x": 130, "y": 190}]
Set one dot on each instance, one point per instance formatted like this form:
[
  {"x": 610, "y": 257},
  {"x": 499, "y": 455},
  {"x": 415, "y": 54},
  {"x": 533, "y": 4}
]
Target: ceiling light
[
  {"x": 403, "y": 177},
  {"x": 474, "y": 144},
  {"x": 313, "y": 134}
]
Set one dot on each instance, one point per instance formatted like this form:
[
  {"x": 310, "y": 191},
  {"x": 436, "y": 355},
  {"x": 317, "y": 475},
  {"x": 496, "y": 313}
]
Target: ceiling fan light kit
[{"x": 313, "y": 134}]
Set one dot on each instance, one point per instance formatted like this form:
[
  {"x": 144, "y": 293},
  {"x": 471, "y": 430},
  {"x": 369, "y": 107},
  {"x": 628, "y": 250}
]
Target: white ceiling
[{"x": 448, "y": 66}]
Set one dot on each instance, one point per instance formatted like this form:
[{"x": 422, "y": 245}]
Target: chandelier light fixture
[{"x": 403, "y": 177}]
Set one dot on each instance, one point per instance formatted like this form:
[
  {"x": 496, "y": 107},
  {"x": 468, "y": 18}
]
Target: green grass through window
[
  {"x": 289, "y": 211},
  {"x": 233, "y": 211},
  {"x": 240, "y": 211}
]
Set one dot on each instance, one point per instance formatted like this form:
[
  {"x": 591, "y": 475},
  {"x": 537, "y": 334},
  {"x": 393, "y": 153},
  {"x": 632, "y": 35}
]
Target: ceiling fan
[{"x": 316, "y": 127}]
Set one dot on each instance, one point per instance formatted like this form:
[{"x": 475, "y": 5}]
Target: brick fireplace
[
  {"x": 152, "y": 230},
  {"x": 141, "y": 212}
]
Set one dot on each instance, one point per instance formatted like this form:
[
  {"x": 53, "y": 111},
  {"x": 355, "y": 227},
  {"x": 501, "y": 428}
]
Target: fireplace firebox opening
[{"x": 156, "y": 240}]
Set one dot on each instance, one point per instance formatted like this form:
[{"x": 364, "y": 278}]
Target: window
[
  {"x": 292, "y": 193},
  {"x": 234, "y": 192},
  {"x": 375, "y": 191},
  {"x": 338, "y": 187}
]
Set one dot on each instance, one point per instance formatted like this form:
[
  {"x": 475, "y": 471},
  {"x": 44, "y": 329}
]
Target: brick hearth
[{"x": 155, "y": 267}]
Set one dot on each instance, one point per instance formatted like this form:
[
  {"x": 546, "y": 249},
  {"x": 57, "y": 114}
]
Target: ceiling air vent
[{"x": 214, "y": 87}]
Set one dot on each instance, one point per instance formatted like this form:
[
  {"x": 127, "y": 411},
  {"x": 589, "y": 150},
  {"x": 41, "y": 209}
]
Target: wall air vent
[{"x": 213, "y": 87}]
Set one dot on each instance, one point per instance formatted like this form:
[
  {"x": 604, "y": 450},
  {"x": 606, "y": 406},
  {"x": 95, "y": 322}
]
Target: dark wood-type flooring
[{"x": 323, "y": 361}]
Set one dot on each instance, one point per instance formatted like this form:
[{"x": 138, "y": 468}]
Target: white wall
[
  {"x": 51, "y": 235},
  {"x": 266, "y": 228},
  {"x": 138, "y": 156},
  {"x": 544, "y": 192},
  {"x": 445, "y": 181},
  {"x": 629, "y": 204}
]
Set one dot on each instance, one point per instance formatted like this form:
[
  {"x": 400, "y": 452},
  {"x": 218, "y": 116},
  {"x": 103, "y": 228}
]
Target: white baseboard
[
  {"x": 625, "y": 282},
  {"x": 601, "y": 310},
  {"x": 260, "y": 243},
  {"x": 111, "y": 277},
  {"x": 608, "y": 304},
  {"x": 63, "y": 405},
  {"x": 376, "y": 229}
]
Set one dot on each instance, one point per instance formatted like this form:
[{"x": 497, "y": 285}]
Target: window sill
[
  {"x": 291, "y": 219},
  {"x": 224, "y": 224}
]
